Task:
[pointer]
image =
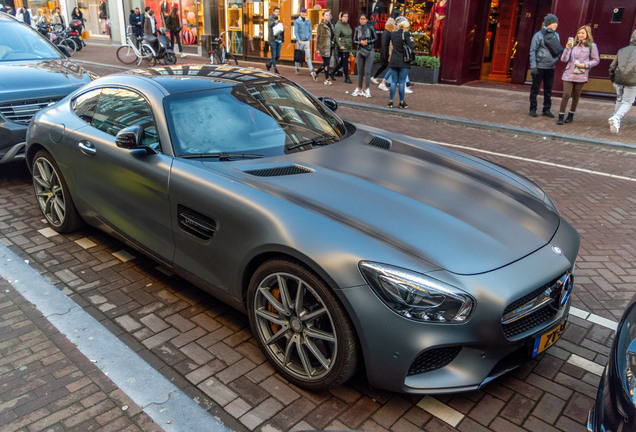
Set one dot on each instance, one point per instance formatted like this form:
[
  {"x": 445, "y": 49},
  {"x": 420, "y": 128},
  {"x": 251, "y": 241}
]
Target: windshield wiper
[
  {"x": 313, "y": 141},
  {"x": 223, "y": 156}
]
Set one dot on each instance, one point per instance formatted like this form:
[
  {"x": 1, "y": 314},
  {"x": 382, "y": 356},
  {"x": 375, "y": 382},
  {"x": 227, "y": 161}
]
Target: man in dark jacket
[
  {"x": 545, "y": 50},
  {"x": 135, "y": 23},
  {"x": 275, "y": 39},
  {"x": 623, "y": 75}
]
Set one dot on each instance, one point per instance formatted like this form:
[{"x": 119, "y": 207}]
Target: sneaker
[
  {"x": 297, "y": 71},
  {"x": 408, "y": 90},
  {"x": 389, "y": 105},
  {"x": 383, "y": 86},
  {"x": 614, "y": 124},
  {"x": 328, "y": 82},
  {"x": 375, "y": 81},
  {"x": 403, "y": 105},
  {"x": 313, "y": 75},
  {"x": 356, "y": 92},
  {"x": 367, "y": 93},
  {"x": 183, "y": 55}
]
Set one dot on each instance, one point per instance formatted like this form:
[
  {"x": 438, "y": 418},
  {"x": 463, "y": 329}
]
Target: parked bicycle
[
  {"x": 57, "y": 35},
  {"x": 129, "y": 53},
  {"x": 219, "y": 54}
]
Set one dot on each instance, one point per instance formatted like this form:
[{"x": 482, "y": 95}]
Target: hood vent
[
  {"x": 279, "y": 171},
  {"x": 381, "y": 142}
]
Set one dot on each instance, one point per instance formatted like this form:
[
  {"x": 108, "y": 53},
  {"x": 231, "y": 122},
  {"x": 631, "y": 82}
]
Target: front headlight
[{"x": 417, "y": 296}]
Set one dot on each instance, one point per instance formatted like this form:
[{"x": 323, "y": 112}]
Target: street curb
[{"x": 482, "y": 125}]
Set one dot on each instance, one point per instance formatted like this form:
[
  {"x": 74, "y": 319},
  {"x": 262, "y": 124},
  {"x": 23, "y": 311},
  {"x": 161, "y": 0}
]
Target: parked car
[
  {"x": 615, "y": 407},
  {"x": 34, "y": 73},
  {"x": 346, "y": 245}
]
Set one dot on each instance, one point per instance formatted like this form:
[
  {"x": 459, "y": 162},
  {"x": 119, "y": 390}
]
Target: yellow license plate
[{"x": 547, "y": 339}]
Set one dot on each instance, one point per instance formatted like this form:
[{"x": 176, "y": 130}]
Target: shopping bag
[
  {"x": 299, "y": 56},
  {"x": 86, "y": 35}
]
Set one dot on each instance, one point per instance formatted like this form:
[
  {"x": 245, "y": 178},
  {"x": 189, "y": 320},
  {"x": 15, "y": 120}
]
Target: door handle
[{"x": 87, "y": 148}]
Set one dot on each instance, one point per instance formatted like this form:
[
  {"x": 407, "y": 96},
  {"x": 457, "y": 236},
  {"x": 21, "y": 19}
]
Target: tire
[
  {"x": 52, "y": 194},
  {"x": 78, "y": 43},
  {"x": 70, "y": 45},
  {"x": 216, "y": 58},
  {"x": 230, "y": 55},
  {"x": 147, "y": 55},
  {"x": 300, "y": 326},
  {"x": 170, "y": 58},
  {"x": 126, "y": 54}
]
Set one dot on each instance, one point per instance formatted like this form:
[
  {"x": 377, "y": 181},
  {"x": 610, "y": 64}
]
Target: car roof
[
  {"x": 6, "y": 17},
  {"x": 186, "y": 78}
]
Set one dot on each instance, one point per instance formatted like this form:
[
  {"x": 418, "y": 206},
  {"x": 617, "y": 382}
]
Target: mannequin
[
  {"x": 436, "y": 21},
  {"x": 165, "y": 10}
]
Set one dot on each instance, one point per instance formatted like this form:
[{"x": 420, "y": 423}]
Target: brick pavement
[{"x": 207, "y": 348}]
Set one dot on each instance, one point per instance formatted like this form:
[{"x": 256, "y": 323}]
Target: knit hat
[
  {"x": 550, "y": 19},
  {"x": 303, "y": 10}
]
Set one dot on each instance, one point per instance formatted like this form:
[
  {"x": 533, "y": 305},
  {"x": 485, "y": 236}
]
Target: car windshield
[
  {"x": 265, "y": 119},
  {"x": 20, "y": 42}
]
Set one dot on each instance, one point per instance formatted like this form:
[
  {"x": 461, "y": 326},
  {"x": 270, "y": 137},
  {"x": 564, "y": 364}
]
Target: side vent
[
  {"x": 194, "y": 223},
  {"x": 279, "y": 171},
  {"x": 381, "y": 142}
]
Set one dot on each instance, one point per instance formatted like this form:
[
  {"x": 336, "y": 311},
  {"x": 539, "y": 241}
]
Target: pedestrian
[
  {"x": 325, "y": 34},
  {"x": 399, "y": 68},
  {"x": 150, "y": 24},
  {"x": 39, "y": 18},
  {"x": 26, "y": 16},
  {"x": 581, "y": 56},
  {"x": 275, "y": 37},
  {"x": 302, "y": 30},
  {"x": 57, "y": 19},
  {"x": 19, "y": 15},
  {"x": 545, "y": 50},
  {"x": 135, "y": 25},
  {"x": 174, "y": 27},
  {"x": 78, "y": 15},
  {"x": 103, "y": 15},
  {"x": 364, "y": 36},
  {"x": 623, "y": 75},
  {"x": 389, "y": 26},
  {"x": 344, "y": 44}
]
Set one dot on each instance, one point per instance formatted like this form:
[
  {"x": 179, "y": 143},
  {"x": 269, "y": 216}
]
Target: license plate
[{"x": 547, "y": 339}]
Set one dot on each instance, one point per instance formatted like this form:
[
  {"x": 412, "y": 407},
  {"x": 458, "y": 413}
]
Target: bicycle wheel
[
  {"x": 126, "y": 54},
  {"x": 230, "y": 55},
  {"x": 69, "y": 44},
  {"x": 147, "y": 56}
]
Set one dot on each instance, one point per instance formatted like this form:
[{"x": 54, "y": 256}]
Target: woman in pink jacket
[{"x": 581, "y": 56}]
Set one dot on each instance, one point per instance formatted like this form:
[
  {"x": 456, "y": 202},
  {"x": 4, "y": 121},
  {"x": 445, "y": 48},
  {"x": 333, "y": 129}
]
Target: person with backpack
[
  {"x": 581, "y": 55},
  {"x": 545, "y": 50},
  {"x": 622, "y": 73}
]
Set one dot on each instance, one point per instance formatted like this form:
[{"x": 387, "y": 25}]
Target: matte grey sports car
[{"x": 346, "y": 245}]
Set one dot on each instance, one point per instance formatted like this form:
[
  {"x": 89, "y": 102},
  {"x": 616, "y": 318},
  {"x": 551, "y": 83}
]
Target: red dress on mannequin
[{"x": 436, "y": 19}]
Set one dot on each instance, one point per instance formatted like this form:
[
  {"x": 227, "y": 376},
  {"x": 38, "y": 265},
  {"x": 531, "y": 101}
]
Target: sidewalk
[{"x": 475, "y": 106}]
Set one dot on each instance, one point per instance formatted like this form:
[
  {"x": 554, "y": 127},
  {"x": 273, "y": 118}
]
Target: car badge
[{"x": 557, "y": 250}]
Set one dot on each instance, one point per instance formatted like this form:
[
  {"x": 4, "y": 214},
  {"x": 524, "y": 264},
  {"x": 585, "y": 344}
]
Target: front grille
[
  {"x": 23, "y": 111},
  {"x": 432, "y": 359},
  {"x": 531, "y": 321},
  {"x": 280, "y": 171}
]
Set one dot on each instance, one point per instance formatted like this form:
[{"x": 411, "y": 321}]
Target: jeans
[
  {"x": 387, "y": 77},
  {"x": 625, "y": 97},
  {"x": 326, "y": 61},
  {"x": 365, "y": 64},
  {"x": 547, "y": 76},
  {"x": 274, "y": 49},
  {"x": 306, "y": 46},
  {"x": 176, "y": 36},
  {"x": 398, "y": 79}
]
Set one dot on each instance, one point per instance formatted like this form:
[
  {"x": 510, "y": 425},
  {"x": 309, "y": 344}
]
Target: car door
[{"x": 125, "y": 190}]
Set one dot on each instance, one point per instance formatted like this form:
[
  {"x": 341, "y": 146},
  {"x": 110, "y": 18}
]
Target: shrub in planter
[
  {"x": 426, "y": 62},
  {"x": 425, "y": 69}
]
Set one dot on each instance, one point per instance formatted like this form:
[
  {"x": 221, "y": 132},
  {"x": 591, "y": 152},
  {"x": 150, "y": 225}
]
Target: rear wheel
[
  {"x": 230, "y": 55},
  {"x": 170, "y": 58},
  {"x": 52, "y": 194},
  {"x": 126, "y": 54},
  {"x": 300, "y": 325},
  {"x": 70, "y": 45}
]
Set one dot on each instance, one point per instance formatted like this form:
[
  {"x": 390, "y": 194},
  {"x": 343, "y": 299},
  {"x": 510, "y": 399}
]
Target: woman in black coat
[
  {"x": 389, "y": 26},
  {"x": 399, "y": 68}
]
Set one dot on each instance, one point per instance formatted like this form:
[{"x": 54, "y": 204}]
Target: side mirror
[
  {"x": 329, "y": 103},
  {"x": 132, "y": 138}
]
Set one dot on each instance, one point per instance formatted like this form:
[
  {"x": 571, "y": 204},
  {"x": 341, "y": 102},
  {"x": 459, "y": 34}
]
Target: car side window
[
  {"x": 84, "y": 105},
  {"x": 120, "y": 108}
]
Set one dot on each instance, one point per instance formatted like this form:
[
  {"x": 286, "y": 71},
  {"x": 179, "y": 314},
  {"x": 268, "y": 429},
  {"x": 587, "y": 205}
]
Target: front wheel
[
  {"x": 52, "y": 194},
  {"x": 126, "y": 54},
  {"x": 147, "y": 55},
  {"x": 300, "y": 325},
  {"x": 70, "y": 45},
  {"x": 170, "y": 58}
]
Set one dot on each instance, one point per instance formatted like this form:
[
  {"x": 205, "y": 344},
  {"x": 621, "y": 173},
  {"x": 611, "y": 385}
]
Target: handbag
[
  {"x": 299, "y": 56},
  {"x": 278, "y": 29},
  {"x": 409, "y": 55}
]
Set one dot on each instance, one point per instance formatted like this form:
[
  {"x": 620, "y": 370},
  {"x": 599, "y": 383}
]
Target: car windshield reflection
[
  {"x": 266, "y": 119},
  {"x": 19, "y": 43}
]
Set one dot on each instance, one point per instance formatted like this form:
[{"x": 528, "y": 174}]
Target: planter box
[{"x": 424, "y": 75}]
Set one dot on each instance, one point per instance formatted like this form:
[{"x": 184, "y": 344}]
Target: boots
[
  {"x": 348, "y": 80},
  {"x": 560, "y": 120},
  {"x": 569, "y": 118}
]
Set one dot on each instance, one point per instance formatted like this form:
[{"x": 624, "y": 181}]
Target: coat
[
  {"x": 148, "y": 26},
  {"x": 271, "y": 22},
  {"x": 366, "y": 32},
  {"x": 623, "y": 68},
  {"x": 384, "y": 49},
  {"x": 342, "y": 37},
  {"x": 582, "y": 54},
  {"x": 324, "y": 38},
  {"x": 302, "y": 29},
  {"x": 172, "y": 24},
  {"x": 540, "y": 55},
  {"x": 397, "y": 55}
]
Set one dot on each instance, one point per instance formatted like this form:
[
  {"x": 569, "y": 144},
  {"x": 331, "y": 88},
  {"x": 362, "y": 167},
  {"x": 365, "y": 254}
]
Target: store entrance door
[{"x": 191, "y": 12}]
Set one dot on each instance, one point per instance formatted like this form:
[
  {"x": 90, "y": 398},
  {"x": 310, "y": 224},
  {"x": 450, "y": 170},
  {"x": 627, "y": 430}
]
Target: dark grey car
[
  {"x": 345, "y": 244},
  {"x": 33, "y": 74}
]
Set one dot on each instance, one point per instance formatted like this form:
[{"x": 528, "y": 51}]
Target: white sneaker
[
  {"x": 183, "y": 55},
  {"x": 375, "y": 81},
  {"x": 367, "y": 93},
  {"x": 314, "y": 76},
  {"x": 383, "y": 86},
  {"x": 357, "y": 92},
  {"x": 328, "y": 82},
  {"x": 407, "y": 89},
  {"x": 614, "y": 124}
]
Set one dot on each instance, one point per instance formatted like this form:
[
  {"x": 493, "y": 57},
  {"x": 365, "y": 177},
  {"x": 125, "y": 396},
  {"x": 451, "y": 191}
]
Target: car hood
[
  {"x": 455, "y": 211},
  {"x": 44, "y": 78}
]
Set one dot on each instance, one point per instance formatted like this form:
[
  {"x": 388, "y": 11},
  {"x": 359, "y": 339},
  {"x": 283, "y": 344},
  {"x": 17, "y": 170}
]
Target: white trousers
[
  {"x": 625, "y": 97},
  {"x": 306, "y": 46}
]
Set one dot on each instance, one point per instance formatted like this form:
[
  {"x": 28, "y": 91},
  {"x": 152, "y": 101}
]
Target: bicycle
[
  {"x": 129, "y": 53},
  {"x": 57, "y": 36},
  {"x": 219, "y": 53}
]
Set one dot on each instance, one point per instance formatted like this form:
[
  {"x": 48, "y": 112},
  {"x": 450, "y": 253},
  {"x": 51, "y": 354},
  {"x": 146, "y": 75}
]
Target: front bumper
[{"x": 12, "y": 140}]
